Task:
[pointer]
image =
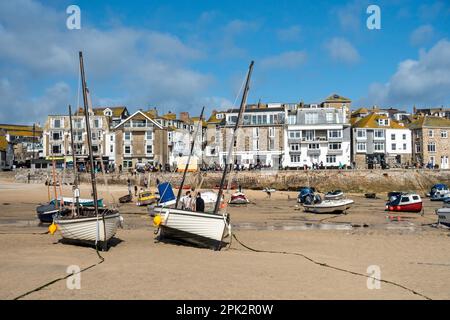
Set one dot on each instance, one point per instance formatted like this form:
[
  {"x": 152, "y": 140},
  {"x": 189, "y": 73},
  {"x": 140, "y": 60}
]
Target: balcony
[
  {"x": 337, "y": 152},
  {"x": 315, "y": 139},
  {"x": 335, "y": 139},
  {"x": 313, "y": 152}
]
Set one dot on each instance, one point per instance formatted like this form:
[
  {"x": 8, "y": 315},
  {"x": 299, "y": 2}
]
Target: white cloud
[
  {"x": 145, "y": 67},
  {"x": 285, "y": 60},
  {"x": 341, "y": 50},
  {"x": 421, "y": 35},
  {"x": 291, "y": 33},
  {"x": 425, "y": 81}
]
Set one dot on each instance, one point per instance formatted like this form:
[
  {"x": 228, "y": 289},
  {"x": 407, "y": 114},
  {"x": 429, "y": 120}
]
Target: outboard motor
[{"x": 317, "y": 198}]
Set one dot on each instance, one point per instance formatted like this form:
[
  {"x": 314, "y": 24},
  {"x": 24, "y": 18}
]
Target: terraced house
[
  {"x": 260, "y": 138},
  {"x": 431, "y": 142},
  {"x": 316, "y": 135},
  {"x": 378, "y": 139},
  {"x": 140, "y": 139}
]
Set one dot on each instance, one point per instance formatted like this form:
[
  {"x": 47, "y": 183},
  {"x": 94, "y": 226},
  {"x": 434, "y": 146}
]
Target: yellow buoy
[
  {"x": 157, "y": 220},
  {"x": 52, "y": 228}
]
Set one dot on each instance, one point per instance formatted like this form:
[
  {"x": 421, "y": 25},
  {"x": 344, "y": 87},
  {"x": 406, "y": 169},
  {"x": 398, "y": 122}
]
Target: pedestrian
[
  {"x": 145, "y": 182},
  {"x": 129, "y": 186},
  {"x": 157, "y": 182},
  {"x": 199, "y": 203},
  {"x": 187, "y": 202},
  {"x": 135, "y": 190}
]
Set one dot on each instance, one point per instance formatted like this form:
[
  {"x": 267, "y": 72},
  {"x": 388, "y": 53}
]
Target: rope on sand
[{"x": 322, "y": 264}]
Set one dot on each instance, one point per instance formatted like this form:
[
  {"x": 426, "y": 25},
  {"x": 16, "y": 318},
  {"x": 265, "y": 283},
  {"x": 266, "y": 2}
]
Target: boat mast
[
  {"x": 74, "y": 159},
  {"x": 236, "y": 125},
  {"x": 180, "y": 190},
  {"x": 89, "y": 137}
]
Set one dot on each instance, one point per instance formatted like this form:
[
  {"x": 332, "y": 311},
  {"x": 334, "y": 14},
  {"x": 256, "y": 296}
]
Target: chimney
[{"x": 184, "y": 116}]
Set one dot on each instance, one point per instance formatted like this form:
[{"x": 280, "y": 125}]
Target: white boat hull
[
  {"x": 195, "y": 227},
  {"x": 89, "y": 228},
  {"x": 329, "y": 206},
  {"x": 443, "y": 216}
]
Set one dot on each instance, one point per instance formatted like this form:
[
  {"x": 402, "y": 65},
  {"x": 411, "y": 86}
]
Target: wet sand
[{"x": 335, "y": 253}]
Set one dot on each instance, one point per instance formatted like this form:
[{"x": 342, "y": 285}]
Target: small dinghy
[
  {"x": 126, "y": 199},
  {"x": 329, "y": 206},
  {"x": 404, "y": 202},
  {"x": 238, "y": 198},
  {"x": 146, "y": 197},
  {"x": 82, "y": 202},
  {"x": 334, "y": 195},
  {"x": 46, "y": 212},
  {"x": 370, "y": 195},
  {"x": 444, "y": 216},
  {"x": 439, "y": 192}
]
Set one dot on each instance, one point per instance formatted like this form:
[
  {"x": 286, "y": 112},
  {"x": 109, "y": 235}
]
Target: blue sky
[{"x": 180, "y": 55}]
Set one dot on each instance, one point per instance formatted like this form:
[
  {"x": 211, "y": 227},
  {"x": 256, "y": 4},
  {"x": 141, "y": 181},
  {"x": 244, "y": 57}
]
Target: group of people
[{"x": 191, "y": 204}]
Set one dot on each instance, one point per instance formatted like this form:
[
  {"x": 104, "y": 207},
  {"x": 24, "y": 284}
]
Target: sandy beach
[{"x": 325, "y": 256}]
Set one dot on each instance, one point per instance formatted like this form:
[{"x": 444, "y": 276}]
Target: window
[
  {"x": 295, "y": 158},
  {"x": 361, "y": 146},
  {"x": 256, "y": 133},
  {"x": 311, "y": 118},
  {"x": 127, "y": 136},
  {"x": 95, "y": 148},
  {"x": 431, "y": 133},
  {"x": 271, "y": 144},
  {"x": 394, "y": 147},
  {"x": 78, "y": 136},
  {"x": 431, "y": 147},
  {"x": 335, "y": 133},
  {"x": 361, "y": 133},
  {"x": 378, "y": 146},
  {"x": 378, "y": 134},
  {"x": 149, "y": 135},
  {"x": 78, "y": 124},
  {"x": 56, "y": 148},
  {"x": 149, "y": 149},
  {"x": 96, "y": 123},
  {"x": 393, "y": 136},
  {"x": 329, "y": 116},
  {"x": 309, "y": 135},
  {"x": 111, "y": 148},
  {"x": 56, "y": 136},
  {"x": 331, "y": 159},
  {"x": 111, "y": 138},
  {"x": 127, "y": 164},
  {"x": 334, "y": 146},
  {"x": 294, "y": 134},
  {"x": 444, "y": 134},
  {"x": 404, "y": 146},
  {"x": 127, "y": 150},
  {"x": 295, "y": 147},
  {"x": 272, "y": 132},
  {"x": 57, "y": 123},
  {"x": 418, "y": 149},
  {"x": 292, "y": 119},
  {"x": 313, "y": 146},
  {"x": 404, "y": 136}
]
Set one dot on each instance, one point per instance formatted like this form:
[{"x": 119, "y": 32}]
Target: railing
[{"x": 313, "y": 152}]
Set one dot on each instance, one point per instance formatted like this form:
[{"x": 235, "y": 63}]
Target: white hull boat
[
  {"x": 89, "y": 228},
  {"x": 334, "y": 195},
  {"x": 199, "y": 228},
  {"x": 443, "y": 216},
  {"x": 329, "y": 206}
]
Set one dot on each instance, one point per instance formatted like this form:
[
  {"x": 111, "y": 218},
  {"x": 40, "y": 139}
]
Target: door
[{"x": 444, "y": 162}]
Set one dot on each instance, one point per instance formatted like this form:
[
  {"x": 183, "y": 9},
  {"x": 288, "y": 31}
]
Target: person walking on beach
[
  {"x": 199, "y": 203},
  {"x": 187, "y": 202},
  {"x": 129, "y": 186},
  {"x": 145, "y": 182},
  {"x": 135, "y": 190}
]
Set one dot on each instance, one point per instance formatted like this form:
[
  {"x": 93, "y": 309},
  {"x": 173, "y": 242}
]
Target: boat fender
[
  {"x": 121, "y": 221},
  {"x": 157, "y": 220},
  {"x": 52, "y": 228}
]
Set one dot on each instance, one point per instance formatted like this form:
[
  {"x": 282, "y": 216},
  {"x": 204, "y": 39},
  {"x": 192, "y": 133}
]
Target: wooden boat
[
  {"x": 444, "y": 216},
  {"x": 145, "y": 198},
  {"x": 46, "y": 212},
  {"x": 334, "y": 195},
  {"x": 82, "y": 202},
  {"x": 87, "y": 226},
  {"x": 439, "y": 192},
  {"x": 126, "y": 199},
  {"x": 405, "y": 202},
  {"x": 329, "y": 206},
  {"x": 238, "y": 198},
  {"x": 370, "y": 195},
  {"x": 203, "y": 229}
]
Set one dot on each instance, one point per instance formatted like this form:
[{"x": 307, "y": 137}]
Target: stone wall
[{"x": 360, "y": 181}]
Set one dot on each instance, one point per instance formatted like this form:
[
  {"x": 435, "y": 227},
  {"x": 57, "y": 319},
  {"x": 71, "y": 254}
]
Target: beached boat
[
  {"x": 46, "y": 212},
  {"x": 145, "y": 198},
  {"x": 404, "y": 202},
  {"x": 329, "y": 206},
  {"x": 87, "y": 226},
  {"x": 443, "y": 216},
  {"x": 209, "y": 197},
  {"x": 439, "y": 192},
  {"x": 200, "y": 228},
  {"x": 306, "y": 195},
  {"x": 238, "y": 198},
  {"x": 82, "y": 202},
  {"x": 126, "y": 199},
  {"x": 334, "y": 195}
]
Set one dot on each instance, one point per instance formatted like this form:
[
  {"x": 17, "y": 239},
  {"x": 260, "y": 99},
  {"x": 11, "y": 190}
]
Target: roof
[
  {"x": 195, "y": 119},
  {"x": 430, "y": 122},
  {"x": 3, "y": 143},
  {"x": 213, "y": 119},
  {"x": 337, "y": 98},
  {"x": 21, "y": 130},
  {"x": 360, "y": 110},
  {"x": 139, "y": 112},
  {"x": 371, "y": 121},
  {"x": 116, "y": 111}
]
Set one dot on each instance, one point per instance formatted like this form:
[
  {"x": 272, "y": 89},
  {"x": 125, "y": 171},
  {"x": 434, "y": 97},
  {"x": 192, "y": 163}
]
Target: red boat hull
[{"x": 412, "y": 207}]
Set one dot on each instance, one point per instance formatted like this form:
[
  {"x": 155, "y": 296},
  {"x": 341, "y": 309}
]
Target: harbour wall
[{"x": 357, "y": 181}]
